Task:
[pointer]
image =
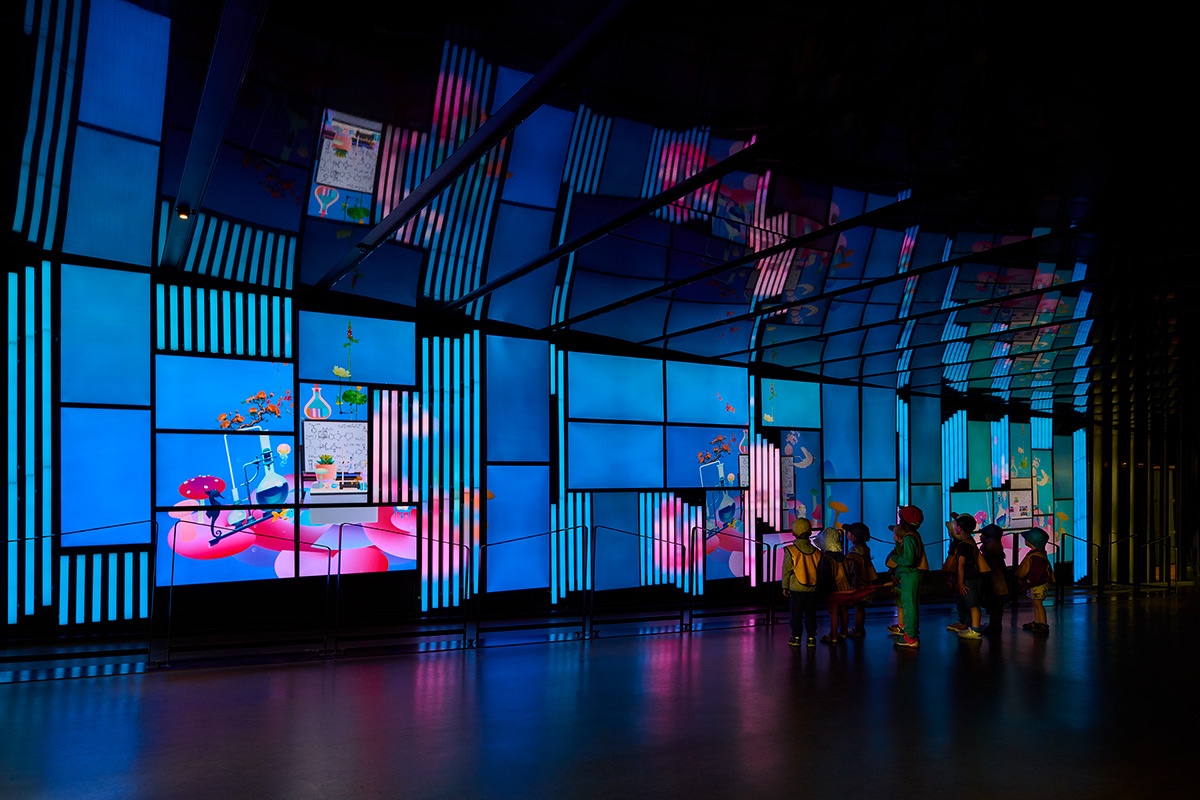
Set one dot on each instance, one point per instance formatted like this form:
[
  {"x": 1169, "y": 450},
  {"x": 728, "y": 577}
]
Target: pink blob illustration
[
  {"x": 191, "y": 538},
  {"x": 188, "y": 507},
  {"x": 363, "y": 559}
]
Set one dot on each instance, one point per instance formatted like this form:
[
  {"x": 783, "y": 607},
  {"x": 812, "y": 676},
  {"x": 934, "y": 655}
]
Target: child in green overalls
[{"x": 908, "y": 561}]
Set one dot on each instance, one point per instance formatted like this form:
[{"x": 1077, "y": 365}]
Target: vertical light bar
[
  {"x": 251, "y": 326},
  {"x": 174, "y": 316},
  {"x": 477, "y": 483},
  {"x": 128, "y": 607},
  {"x": 239, "y": 321},
  {"x": 186, "y": 318},
  {"x": 31, "y": 440},
  {"x": 214, "y": 321},
  {"x": 48, "y": 461},
  {"x": 423, "y": 455},
  {"x": 287, "y": 327},
  {"x": 64, "y": 597},
  {"x": 587, "y": 520},
  {"x": 201, "y": 301},
  {"x": 460, "y": 486},
  {"x": 11, "y": 377},
  {"x": 80, "y": 587},
  {"x": 1079, "y": 494},
  {"x": 227, "y": 318},
  {"x": 161, "y": 309},
  {"x": 255, "y": 250},
  {"x": 112, "y": 587},
  {"x": 277, "y": 327},
  {"x": 97, "y": 586},
  {"x": 144, "y": 585},
  {"x": 264, "y": 324}
]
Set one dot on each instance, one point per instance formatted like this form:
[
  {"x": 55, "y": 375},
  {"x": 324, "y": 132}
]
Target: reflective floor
[{"x": 1106, "y": 706}]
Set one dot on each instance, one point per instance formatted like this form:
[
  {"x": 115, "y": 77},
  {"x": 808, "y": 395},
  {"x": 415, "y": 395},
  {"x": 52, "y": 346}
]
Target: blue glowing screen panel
[
  {"x": 357, "y": 350},
  {"x": 519, "y": 507},
  {"x": 210, "y": 544},
  {"x": 929, "y": 500},
  {"x": 609, "y": 456},
  {"x": 223, "y": 394},
  {"x": 215, "y": 469},
  {"x": 705, "y": 457},
  {"x": 123, "y": 86},
  {"x": 806, "y": 498},
  {"x": 1064, "y": 467},
  {"x": 841, "y": 432},
  {"x": 518, "y": 377},
  {"x": 94, "y": 442},
  {"x": 724, "y": 534},
  {"x": 707, "y": 393},
  {"x": 618, "y": 563},
  {"x": 925, "y": 425},
  {"x": 539, "y": 150},
  {"x": 791, "y": 404},
  {"x": 980, "y": 505},
  {"x": 879, "y": 511},
  {"x": 110, "y": 210},
  {"x": 614, "y": 387},
  {"x": 878, "y": 433},
  {"x": 979, "y": 455},
  {"x": 843, "y": 503},
  {"x": 105, "y": 336}
]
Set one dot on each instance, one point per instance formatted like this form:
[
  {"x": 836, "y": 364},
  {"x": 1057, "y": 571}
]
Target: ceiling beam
[
  {"x": 241, "y": 21},
  {"x": 527, "y": 99}
]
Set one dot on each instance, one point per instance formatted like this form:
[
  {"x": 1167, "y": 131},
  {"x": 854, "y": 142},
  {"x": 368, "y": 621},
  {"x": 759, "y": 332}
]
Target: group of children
[{"x": 979, "y": 578}]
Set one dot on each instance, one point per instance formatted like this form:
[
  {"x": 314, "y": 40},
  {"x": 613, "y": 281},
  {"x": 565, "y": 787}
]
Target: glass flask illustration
[{"x": 317, "y": 407}]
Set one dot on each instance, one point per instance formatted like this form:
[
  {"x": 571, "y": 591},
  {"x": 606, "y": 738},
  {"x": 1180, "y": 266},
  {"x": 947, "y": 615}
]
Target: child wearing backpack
[
  {"x": 833, "y": 579},
  {"x": 800, "y": 583},
  {"x": 1036, "y": 574},
  {"x": 862, "y": 573},
  {"x": 963, "y": 561}
]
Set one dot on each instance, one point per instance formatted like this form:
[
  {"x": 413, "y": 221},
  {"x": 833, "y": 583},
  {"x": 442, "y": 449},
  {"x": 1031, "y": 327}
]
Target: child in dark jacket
[
  {"x": 963, "y": 563},
  {"x": 1036, "y": 574},
  {"x": 862, "y": 573},
  {"x": 833, "y": 580},
  {"x": 800, "y": 583},
  {"x": 996, "y": 590}
]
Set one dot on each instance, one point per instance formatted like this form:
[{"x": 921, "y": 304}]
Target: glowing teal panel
[
  {"x": 879, "y": 511},
  {"x": 385, "y": 350},
  {"x": 878, "y": 433},
  {"x": 840, "y": 432},
  {"x": 1064, "y": 473},
  {"x": 925, "y": 433},
  {"x": 791, "y": 404},
  {"x": 125, "y": 75},
  {"x": 979, "y": 455},
  {"x": 1021, "y": 448},
  {"x": 707, "y": 393},
  {"x": 604, "y": 456},
  {"x": 105, "y": 336},
  {"x": 92, "y": 440},
  {"x": 520, "y": 507},
  {"x": 617, "y": 561},
  {"x": 193, "y": 392},
  {"x": 614, "y": 387},
  {"x": 518, "y": 405},
  {"x": 110, "y": 212}
]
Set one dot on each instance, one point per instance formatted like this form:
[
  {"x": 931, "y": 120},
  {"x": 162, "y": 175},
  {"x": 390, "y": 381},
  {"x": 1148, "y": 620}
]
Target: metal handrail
[
  {"x": 464, "y": 577},
  {"x": 51, "y": 535},
  {"x": 171, "y": 589},
  {"x": 700, "y": 555},
  {"x": 684, "y": 623},
  {"x": 588, "y": 576}
]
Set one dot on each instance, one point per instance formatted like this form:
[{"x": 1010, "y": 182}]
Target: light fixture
[{"x": 183, "y": 211}]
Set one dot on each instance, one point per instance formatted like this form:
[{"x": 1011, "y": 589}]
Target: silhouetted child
[
  {"x": 962, "y": 562},
  {"x": 1036, "y": 574},
  {"x": 909, "y": 561},
  {"x": 800, "y": 560},
  {"x": 832, "y": 580},
  {"x": 862, "y": 573},
  {"x": 996, "y": 591}
]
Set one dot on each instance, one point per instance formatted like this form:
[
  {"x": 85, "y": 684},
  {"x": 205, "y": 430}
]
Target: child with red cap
[{"x": 909, "y": 561}]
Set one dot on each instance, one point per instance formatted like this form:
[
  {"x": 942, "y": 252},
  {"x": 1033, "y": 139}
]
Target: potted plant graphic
[{"x": 326, "y": 470}]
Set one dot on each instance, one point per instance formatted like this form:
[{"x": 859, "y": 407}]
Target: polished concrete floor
[{"x": 1106, "y": 706}]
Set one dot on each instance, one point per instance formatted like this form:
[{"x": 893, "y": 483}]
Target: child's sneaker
[
  {"x": 856, "y": 633},
  {"x": 1041, "y": 627},
  {"x": 906, "y": 641},
  {"x": 812, "y": 641},
  {"x": 794, "y": 641},
  {"x": 957, "y": 627},
  {"x": 895, "y": 630},
  {"x": 1029, "y": 626},
  {"x": 970, "y": 633}
]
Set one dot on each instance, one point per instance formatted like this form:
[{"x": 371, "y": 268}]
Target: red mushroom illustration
[{"x": 205, "y": 487}]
